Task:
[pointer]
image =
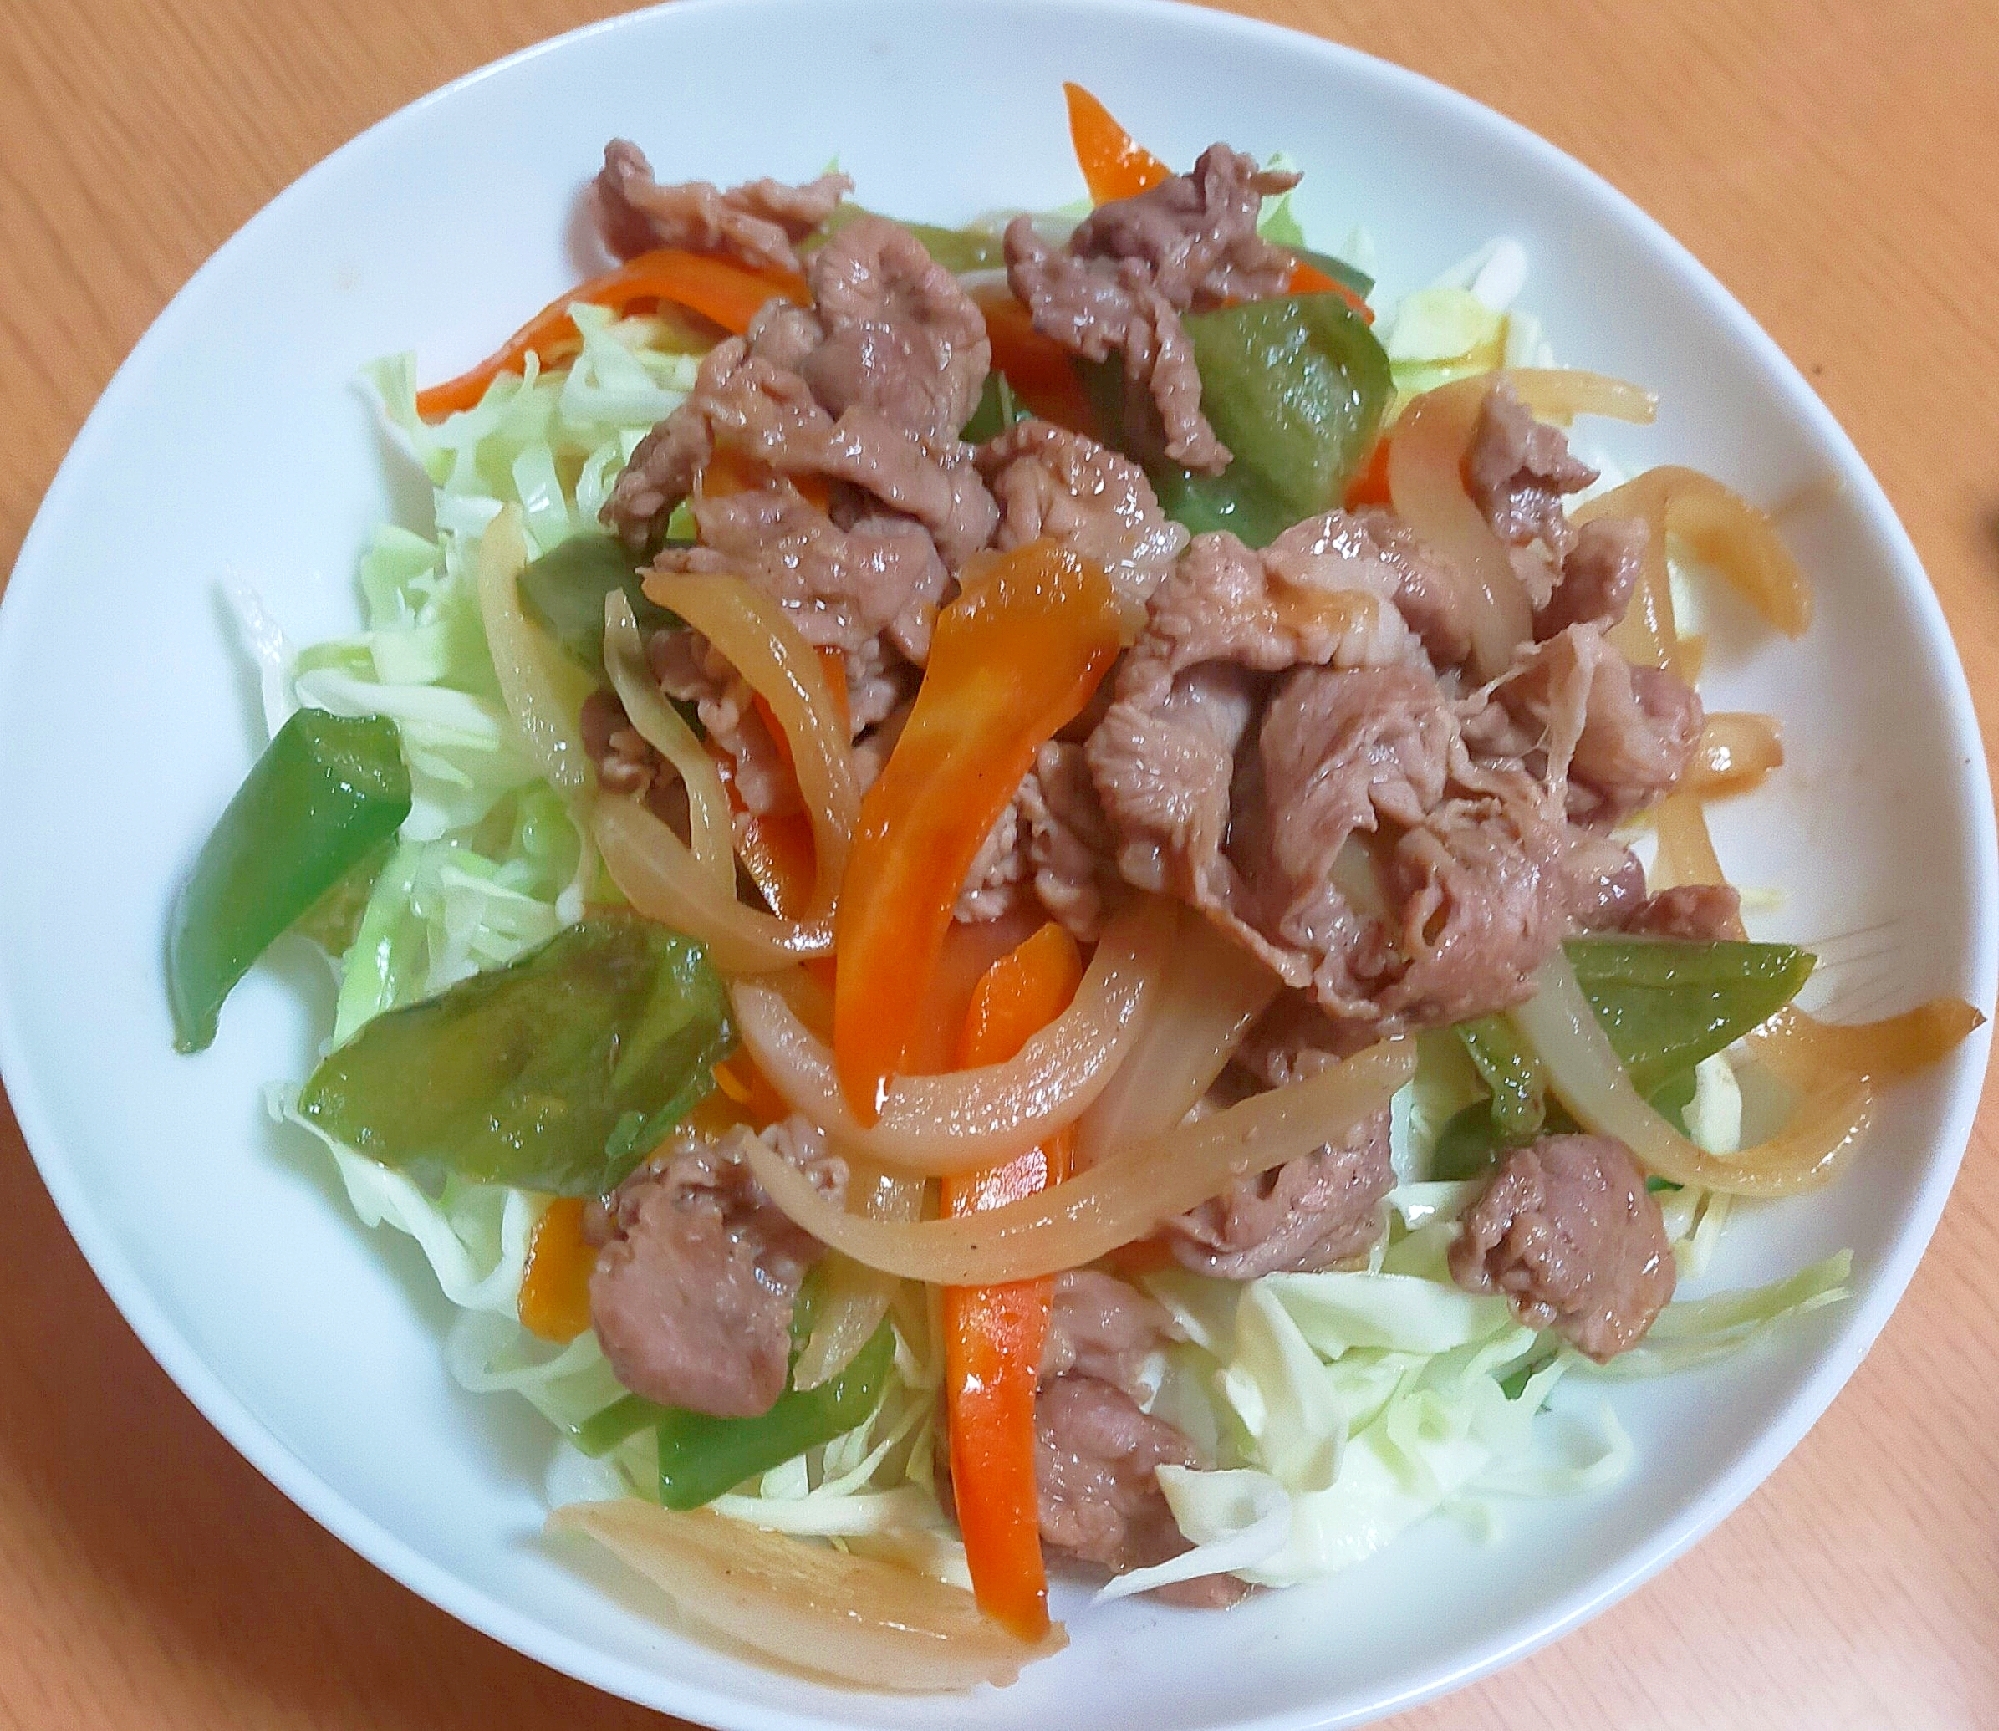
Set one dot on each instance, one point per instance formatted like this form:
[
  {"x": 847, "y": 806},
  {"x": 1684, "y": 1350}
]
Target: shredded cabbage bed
[{"x": 1338, "y": 1408}]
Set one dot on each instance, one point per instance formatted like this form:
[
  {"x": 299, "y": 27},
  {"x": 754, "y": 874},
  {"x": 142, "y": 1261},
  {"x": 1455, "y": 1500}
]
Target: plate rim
[{"x": 1548, "y": 1620}]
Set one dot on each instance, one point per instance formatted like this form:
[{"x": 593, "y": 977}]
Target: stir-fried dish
[{"x": 988, "y": 898}]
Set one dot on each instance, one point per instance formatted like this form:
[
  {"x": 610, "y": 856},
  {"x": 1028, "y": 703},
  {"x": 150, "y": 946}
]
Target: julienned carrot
[
  {"x": 1308, "y": 279},
  {"x": 554, "y": 1301},
  {"x": 994, "y": 1335},
  {"x": 1039, "y": 370},
  {"x": 717, "y": 289},
  {"x": 1114, "y": 165},
  {"x": 1370, "y": 483},
  {"x": 1012, "y": 660}
]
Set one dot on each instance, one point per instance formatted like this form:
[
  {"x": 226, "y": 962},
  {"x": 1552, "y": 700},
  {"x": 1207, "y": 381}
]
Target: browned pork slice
[
  {"x": 757, "y": 224},
  {"x": 693, "y": 1290},
  {"x": 1618, "y": 736},
  {"x": 1598, "y": 578},
  {"x": 1047, "y": 480},
  {"x": 1069, "y": 843},
  {"x": 1518, "y": 469},
  {"x": 1567, "y": 1233},
  {"x": 1097, "y": 1457},
  {"x": 1312, "y": 1213},
  {"x": 863, "y": 395},
  {"x": 1699, "y": 913},
  {"x": 1102, "y": 1327},
  {"x": 1133, "y": 266},
  {"x": 689, "y": 669}
]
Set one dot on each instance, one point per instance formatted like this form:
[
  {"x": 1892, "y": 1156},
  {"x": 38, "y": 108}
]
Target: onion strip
[
  {"x": 1737, "y": 749},
  {"x": 1426, "y": 484},
  {"x": 1800, "y": 1046},
  {"x": 1088, "y": 1216},
  {"x": 854, "y": 1297},
  {"x": 661, "y": 727},
  {"x": 1553, "y": 393},
  {"x": 755, "y": 635},
  {"x": 530, "y": 684},
  {"x": 1584, "y": 1072},
  {"x": 971, "y": 1118},
  {"x": 806, "y": 1607},
  {"x": 664, "y": 881},
  {"x": 1213, "y": 991}
]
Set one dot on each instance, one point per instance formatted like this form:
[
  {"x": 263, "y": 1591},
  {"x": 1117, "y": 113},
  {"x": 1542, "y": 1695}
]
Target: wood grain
[{"x": 1836, "y": 164}]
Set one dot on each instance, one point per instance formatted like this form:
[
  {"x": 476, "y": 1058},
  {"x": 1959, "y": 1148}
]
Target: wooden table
[{"x": 1835, "y": 163}]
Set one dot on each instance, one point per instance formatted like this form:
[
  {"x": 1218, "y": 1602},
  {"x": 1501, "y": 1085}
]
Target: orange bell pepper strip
[
  {"x": 1012, "y": 660},
  {"x": 994, "y": 1335},
  {"x": 1114, "y": 164},
  {"x": 1040, "y": 371},
  {"x": 1370, "y": 483},
  {"x": 1308, "y": 279},
  {"x": 716, "y": 288},
  {"x": 554, "y": 1300}
]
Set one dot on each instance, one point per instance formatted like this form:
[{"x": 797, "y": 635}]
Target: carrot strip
[
  {"x": 554, "y": 1300},
  {"x": 1040, "y": 371},
  {"x": 727, "y": 293},
  {"x": 1308, "y": 279},
  {"x": 994, "y": 1336},
  {"x": 1114, "y": 165}
]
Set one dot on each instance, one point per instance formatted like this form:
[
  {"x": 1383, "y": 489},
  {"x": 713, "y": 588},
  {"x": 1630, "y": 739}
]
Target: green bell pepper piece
[
  {"x": 1668, "y": 1004},
  {"x": 1514, "y": 1074},
  {"x": 565, "y": 589},
  {"x": 1296, "y": 388},
  {"x": 555, "y": 1073},
  {"x": 958, "y": 250},
  {"x": 998, "y": 410},
  {"x": 327, "y": 792}
]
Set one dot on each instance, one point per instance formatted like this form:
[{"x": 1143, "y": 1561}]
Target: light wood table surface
[{"x": 1835, "y": 163}]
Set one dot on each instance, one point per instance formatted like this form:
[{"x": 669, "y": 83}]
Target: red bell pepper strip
[
  {"x": 716, "y": 288},
  {"x": 1114, "y": 164},
  {"x": 1012, "y": 660},
  {"x": 994, "y": 1335}
]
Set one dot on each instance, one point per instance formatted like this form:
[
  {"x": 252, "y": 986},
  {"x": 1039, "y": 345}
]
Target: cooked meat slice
[
  {"x": 1103, "y": 1328},
  {"x": 756, "y": 224},
  {"x": 1195, "y": 234},
  {"x": 1699, "y": 913},
  {"x": 1599, "y": 576},
  {"x": 1567, "y": 1233},
  {"x": 996, "y": 871},
  {"x": 626, "y": 764},
  {"x": 692, "y": 1294},
  {"x": 1295, "y": 1038},
  {"x": 1517, "y": 470},
  {"x": 1069, "y": 845},
  {"x": 1096, "y": 1466},
  {"x": 688, "y": 669},
  {"x": 1315, "y": 1212},
  {"x": 1095, "y": 308},
  {"x": 1047, "y": 480},
  {"x": 1621, "y": 735},
  {"x": 901, "y": 337}
]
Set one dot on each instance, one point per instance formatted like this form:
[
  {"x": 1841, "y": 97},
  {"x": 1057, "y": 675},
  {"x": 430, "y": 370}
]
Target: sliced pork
[
  {"x": 1695, "y": 913},
  {"x": 693, "y": 1290},
  {"x": 757, "y": 224},
  {"x": 1568, "y": 1234}
]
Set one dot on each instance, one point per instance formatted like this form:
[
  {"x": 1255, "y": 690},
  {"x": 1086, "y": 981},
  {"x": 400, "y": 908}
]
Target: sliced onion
[
  {"x": 1075, "y": 1222},
  {"x": 1686, "y": 851},
  {"x": 853, "y": 1297},
  {"x": 971, "y": 1118},
  {"x": 661, "y": 727},
  {"x": 1426, "y": 485},
  {"x": 1562, "y": 393},
  {"x": 1737, "y": 749},
  {"x": 754, "y": 634},
  {"x": 532, "y": 682},
  {"x": 664, "y": 881},
  {"x": 1720, "y": 528},
  {"x": 1584, "y": 1072},
  {"x": 1213, "y": 990},
  {"x": 807, "y": 1607},
  {"x": 1800, "y": 1046}
]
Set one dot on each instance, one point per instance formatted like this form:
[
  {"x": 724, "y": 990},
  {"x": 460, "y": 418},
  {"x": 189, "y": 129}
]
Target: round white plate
[{"x": 235, "y": 444}]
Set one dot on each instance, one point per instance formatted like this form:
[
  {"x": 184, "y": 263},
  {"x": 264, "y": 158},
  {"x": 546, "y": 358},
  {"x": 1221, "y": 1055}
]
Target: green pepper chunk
[
  {"x": 701, "y": 1457},
  {"x": 1296, "y": 388},
  {"x": 1514, "y": 1074},
  {"x": 328, "y": 790},
  {"x": 1667, "y": 1004},
  {"x": 565, "y": 589},
  {"x": 958, "y": 250},
  {"x": 998, "y": 410},
  {"x": 555, "y": 1073}
]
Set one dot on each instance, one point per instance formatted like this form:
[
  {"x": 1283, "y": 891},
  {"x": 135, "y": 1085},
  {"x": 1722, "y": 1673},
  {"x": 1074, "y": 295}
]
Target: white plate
[{"x": 235, "y": 443}]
